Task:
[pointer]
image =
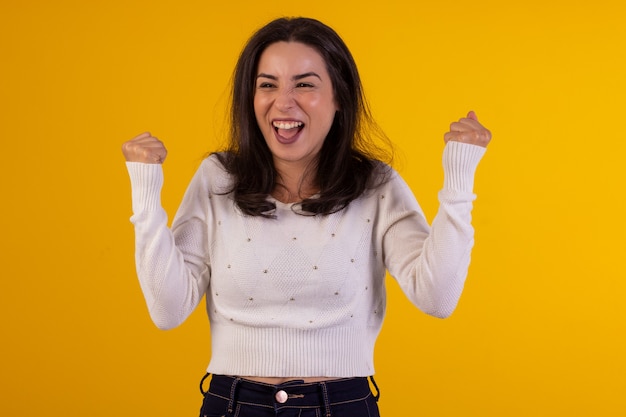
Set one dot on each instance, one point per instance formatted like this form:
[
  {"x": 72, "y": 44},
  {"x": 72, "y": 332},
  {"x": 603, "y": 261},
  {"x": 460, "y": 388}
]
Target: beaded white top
[{"x": 299, "y": 295}]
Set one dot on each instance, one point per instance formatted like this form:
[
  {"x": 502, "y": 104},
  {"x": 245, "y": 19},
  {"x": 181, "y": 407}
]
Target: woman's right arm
[{"x": 172, "y": 264}]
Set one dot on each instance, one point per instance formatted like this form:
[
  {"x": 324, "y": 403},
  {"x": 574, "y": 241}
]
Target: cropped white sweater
[{"x": 299, "y": 296}]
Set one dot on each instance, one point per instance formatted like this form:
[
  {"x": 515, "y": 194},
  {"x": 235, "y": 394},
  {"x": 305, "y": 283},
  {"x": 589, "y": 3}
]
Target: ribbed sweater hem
[{"x": 282, "y": 352}]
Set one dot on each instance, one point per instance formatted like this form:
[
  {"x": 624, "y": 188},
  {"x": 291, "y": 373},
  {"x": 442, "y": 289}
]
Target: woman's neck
[
  {"x": 294, "y": 185},
  {"x": 286, "y": 196}
]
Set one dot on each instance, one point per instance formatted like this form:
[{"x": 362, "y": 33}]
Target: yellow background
[{"x": 540, "y": 327}]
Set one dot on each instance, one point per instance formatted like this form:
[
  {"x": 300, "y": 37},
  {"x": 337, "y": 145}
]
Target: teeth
[{"x": 287, "y": 125}]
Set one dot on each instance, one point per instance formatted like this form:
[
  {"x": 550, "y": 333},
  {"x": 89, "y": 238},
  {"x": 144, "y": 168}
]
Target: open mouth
[{"x": 287, "y": 131}]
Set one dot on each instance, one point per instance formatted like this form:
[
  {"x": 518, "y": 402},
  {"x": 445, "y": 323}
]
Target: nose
[{"x": 284, "y": 100}]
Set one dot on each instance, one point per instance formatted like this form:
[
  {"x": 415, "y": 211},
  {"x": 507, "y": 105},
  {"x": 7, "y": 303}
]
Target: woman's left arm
[{"x": 431, "y": 262}]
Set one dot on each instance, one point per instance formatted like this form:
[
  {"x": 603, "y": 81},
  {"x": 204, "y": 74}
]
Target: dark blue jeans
[{"x": 235, "y": 397}]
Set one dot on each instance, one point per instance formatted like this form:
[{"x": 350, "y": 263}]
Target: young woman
[{"x": 289, "y": 232}]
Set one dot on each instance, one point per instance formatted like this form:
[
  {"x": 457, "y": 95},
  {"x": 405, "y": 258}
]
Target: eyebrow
[{"x": 294, "y": 78}]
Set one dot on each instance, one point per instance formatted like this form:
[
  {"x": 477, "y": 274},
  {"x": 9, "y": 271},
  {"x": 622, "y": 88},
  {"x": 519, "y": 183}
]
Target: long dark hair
[{"x": 349, "y": 161}]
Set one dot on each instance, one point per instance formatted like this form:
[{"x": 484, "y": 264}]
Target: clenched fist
[
  {"x": 468, "y": 130},
  {"x": 144, "y": 148}
]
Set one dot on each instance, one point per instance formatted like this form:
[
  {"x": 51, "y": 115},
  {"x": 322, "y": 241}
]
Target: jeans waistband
[{"x": 296, "y": 393}]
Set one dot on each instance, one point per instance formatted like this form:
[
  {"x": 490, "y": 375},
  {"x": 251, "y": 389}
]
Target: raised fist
[
  {"x": 144, "y": 148},
  {"x": 468, "y": 130}
]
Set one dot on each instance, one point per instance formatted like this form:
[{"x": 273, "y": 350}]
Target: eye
[
  {"x": 304, "y": 85},
  {"x": 265, "y": 85}
]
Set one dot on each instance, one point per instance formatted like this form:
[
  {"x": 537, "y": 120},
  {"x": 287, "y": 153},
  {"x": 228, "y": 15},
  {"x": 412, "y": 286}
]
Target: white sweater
[{"x": 300, "y": 296}]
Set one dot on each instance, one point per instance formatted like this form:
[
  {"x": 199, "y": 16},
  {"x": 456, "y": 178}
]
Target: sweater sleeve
[
  {"x": 172, "y": 264},
  {"x": 431, "y": 262}
]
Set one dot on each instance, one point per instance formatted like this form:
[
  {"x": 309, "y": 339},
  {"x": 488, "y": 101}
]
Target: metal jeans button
[{"x": 281, "y": 396}]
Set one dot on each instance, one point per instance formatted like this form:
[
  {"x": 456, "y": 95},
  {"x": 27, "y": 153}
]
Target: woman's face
[{"x": 294, "y": 102}]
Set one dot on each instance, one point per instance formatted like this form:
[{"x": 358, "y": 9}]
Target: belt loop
[
  {"x": 202, "y": 383},
  {"x": 325, "y": 396},
  {"x": 231, "y": 400},
  {"x": 377, "y": 396}
]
